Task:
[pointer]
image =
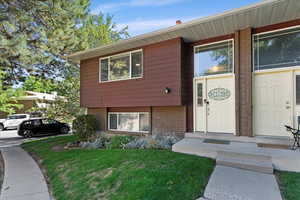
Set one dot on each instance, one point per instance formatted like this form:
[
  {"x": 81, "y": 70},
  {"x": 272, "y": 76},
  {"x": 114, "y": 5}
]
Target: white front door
[
  {"x": 272, "y": 103},
  {"x": 215, "y": 104}
]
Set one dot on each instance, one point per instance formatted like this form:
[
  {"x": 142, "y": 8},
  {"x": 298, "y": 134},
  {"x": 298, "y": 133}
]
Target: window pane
[
  {"x": 137, "y": 65},
  {"x": 199, "y": 94},
  {"x": 104, "y": 70},
  {"x": 213, "y": 59},
  {"x": 298, "y": 89},
  {"x": 144, "y": 122},
  {"x": 276, "y": 50},
  {"x": 113, "y": 121},
  {"x": 119, "y": 67},
  {"x": 128, "y": 122}
]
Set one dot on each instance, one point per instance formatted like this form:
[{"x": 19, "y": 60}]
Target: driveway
[{"x": 10, "y": 138}]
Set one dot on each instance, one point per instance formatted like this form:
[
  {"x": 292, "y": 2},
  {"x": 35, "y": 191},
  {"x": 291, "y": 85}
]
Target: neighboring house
[
  {"x": 236, "y": 72},
  {"x": 33, "y": 99}
]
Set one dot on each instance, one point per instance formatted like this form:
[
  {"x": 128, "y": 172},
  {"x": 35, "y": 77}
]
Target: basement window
[
  {"x": 277, "y": 49},
  {"x": 213, "y": 59},
  {"x": 123, "y": 66},
  {"x": 129, "y": 122}
]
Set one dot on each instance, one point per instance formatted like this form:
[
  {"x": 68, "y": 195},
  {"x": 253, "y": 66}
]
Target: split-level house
[{"x": 236, "y": 72}]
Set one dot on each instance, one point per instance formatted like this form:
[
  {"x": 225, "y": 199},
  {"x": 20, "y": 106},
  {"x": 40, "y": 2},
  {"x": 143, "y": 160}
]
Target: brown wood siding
[
  {"x": 131, "y": 109},
  {"x": 188, "y": 75},
  {"x": 169, "y": 120},
  {"x": 244, "y": 79},
  {"x": 162, "y": 68},
  {"x": 101, "y": 116}
]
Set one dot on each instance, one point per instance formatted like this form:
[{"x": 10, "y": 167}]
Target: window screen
[
  {"x": 113, "y": 121},
  {"x": 277, "y": 49},
  {"x": 104, "y": 70},
  {"x": 129, "y": 122},
  {"x": 122, "y": 67}
]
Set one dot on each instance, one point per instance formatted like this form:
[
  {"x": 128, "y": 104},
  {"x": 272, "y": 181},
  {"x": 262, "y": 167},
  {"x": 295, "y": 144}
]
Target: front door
[
  {"x": 272, "y": 102},
  {"x": 215, "y": 104}
]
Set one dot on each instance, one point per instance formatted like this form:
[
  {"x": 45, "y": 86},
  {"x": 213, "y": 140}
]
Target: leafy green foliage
[
  {"x": 85, "y": 126},
  {"x": 36, "y": 35},
  {"x": 118, "y": 142},
  {"x": 9, "y": 97},
  {"x": 37, "y": 84},
  {"x": 116, "y": 174}
]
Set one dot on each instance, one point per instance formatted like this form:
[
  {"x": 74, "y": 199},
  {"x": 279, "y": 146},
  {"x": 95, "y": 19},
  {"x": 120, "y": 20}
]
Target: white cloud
[
  {"x": 110, "y": 7},
  {"x": 140, "y": 26}
]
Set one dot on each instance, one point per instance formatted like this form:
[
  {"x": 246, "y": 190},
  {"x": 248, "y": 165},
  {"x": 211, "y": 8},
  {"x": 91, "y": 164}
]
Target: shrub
[
  {"x": 85, "y": 126},
  {"x": 119, "y": 142}
]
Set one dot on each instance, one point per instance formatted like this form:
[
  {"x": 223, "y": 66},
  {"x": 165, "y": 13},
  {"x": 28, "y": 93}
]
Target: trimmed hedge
[{"x": 85, "y": 126}]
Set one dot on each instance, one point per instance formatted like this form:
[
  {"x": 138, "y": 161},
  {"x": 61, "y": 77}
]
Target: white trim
[
  {"x": 264, "y": 33},
  {"x": 117, "y": 113},
  {"x": 282, "y": 69},
  {"x": 130, "y": 66},
  {"x": 274, "y": 31},
  {"x": 213, "y": 43}
]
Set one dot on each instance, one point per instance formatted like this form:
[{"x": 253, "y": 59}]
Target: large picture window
[
  {"x": 121, "y": 67},
  {"x": 277, "y": 49},
  {"x": 129, "y": 122},
  {"x": 213, "y": 59}
]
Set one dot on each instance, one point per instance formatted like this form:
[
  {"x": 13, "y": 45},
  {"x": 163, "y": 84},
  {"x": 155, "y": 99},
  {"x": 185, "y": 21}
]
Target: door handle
[{"x": 287, "y": 107}]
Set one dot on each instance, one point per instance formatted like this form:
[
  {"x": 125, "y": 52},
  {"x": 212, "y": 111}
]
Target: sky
[{"x": 143, "y": 16}]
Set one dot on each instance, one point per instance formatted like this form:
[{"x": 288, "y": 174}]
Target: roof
[
  {"x": 264, "y": 13},
  {"x": 38, "y": 96}
]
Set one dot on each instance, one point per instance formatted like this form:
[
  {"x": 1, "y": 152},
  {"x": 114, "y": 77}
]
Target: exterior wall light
[{"x": 167, "y": 90}]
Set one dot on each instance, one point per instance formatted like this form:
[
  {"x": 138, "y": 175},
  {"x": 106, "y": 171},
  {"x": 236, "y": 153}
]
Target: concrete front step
[{"x": 253, "y": 162}]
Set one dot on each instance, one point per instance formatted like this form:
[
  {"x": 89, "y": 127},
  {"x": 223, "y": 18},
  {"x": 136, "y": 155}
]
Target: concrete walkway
[
  {"x": 23, "y": 179},
  {"x": 238, "y": 184}
]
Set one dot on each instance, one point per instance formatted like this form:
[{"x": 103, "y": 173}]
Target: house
[
  {"x": 236, "y": 72},
  {"x": 33, "y": 100}
]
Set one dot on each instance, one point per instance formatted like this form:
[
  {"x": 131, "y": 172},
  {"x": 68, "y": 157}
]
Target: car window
[
  {"x": 36, "y": 122},
  {"x": 49, "y": 121},
  {"x": 26, "y": 123},
  {"x": 17, "y": 117}
]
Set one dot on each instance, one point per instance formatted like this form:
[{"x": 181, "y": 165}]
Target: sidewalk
[
  {"x": 23, "y": 179},
  {"x": 227, "y": 183}
]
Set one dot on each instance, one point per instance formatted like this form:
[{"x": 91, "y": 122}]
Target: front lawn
[
  {"x": 289, "y": 185},
  {"x": 117, "y": 174}
]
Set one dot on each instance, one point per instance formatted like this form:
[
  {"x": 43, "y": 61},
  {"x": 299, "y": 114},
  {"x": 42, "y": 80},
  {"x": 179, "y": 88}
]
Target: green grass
[
  {"x": 289, "y": 185},
  {"x": 116, "y": 174}
]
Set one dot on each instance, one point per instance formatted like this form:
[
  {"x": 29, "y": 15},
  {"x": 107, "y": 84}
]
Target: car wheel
[
  {"x": 1, "y": 127},
  {"x": 28, "y": 133},
  {"x": 64, "y": 130}
]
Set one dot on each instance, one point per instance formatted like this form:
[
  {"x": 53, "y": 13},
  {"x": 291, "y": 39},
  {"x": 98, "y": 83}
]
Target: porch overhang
[{"x": 264, "y": 13}]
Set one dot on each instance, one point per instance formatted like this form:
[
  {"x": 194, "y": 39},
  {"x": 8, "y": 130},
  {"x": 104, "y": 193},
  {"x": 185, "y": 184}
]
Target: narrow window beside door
[
  {"x": 200, "y": 94},
  {"x": 298, "y": 90}
]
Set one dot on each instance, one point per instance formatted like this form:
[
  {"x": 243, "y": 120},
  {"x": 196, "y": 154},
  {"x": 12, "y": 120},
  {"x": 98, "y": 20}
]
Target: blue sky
[{"x": 144, "y": 16}]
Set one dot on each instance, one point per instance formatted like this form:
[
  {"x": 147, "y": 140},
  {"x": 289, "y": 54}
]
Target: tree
[
  {"x": 99, "y": 29},
  {"x": 35, "y": 35},
  {"x": 9, "y": 97},
  {"x": 37, "y": 84}
]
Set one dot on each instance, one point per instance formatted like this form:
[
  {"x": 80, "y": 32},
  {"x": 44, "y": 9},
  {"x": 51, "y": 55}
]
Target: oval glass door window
[{"x": 219, "y": 94}]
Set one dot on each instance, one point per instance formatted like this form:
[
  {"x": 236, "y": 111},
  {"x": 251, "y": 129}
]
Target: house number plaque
[{"x": 219, "y": 94}]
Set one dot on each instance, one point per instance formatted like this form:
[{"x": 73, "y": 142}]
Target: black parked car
[{"x": 34, "y": 127}]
